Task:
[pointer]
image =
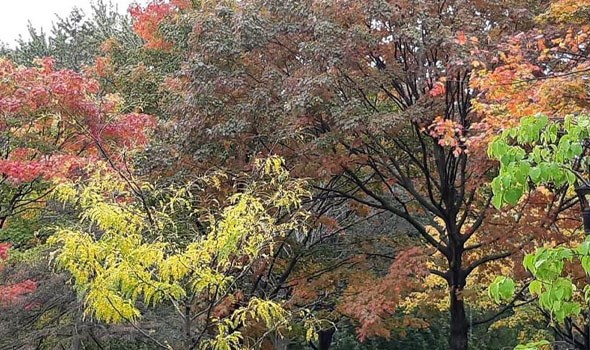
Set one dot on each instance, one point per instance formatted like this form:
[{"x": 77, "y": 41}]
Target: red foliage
[
  {"x": 438, "y": 89},
  {"x": 4, "y": 247},
  {"x": 58, "y": 121},
  {"x": 147, "y": 21},
  {"x": 539, "y": 71},
  {"x": 12, "y": 293},
  {"x": 448, "y": 132},
  {"x": 372, "y": 300},
  {"x": 461, "y": 38},
  {"x": 129, "y": 129}
]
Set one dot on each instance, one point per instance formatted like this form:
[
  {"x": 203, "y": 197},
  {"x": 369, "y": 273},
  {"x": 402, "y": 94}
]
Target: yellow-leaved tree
[{"x": 191, "y": 248}]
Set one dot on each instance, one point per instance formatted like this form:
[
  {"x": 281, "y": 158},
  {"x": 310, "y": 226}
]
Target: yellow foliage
[{"x": 117, "y": 257}]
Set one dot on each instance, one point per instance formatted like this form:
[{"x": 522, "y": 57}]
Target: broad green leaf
[
  {"x": 513, "y": 195},
  {"x": 536, "y": 287},
  {"x": 535, "y": 174}
]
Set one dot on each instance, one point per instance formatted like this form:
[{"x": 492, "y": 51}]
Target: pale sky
[{"x": 14, "y": 14}]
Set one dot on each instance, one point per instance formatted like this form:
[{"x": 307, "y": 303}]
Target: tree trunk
[
  {"x": 459, "y": 324},
  {"x": 187, "y": 325},
  {"x": 76, "y": 336},
  {"x": 324, "y": 339}
]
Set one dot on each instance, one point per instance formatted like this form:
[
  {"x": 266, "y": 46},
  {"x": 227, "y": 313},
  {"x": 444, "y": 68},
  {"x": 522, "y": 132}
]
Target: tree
[
  {"x": 74, "y": 41},
  {"x": 371, "y": 99},
  {"x": 54, "y": 122},
  {"x": 535, "y": 156},
  {"x": 535, "y": 98},
  {"x": 186, "y": 252}
]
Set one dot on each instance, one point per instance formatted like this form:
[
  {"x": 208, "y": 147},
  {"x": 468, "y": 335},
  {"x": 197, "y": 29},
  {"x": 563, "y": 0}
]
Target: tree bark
[
  {"x": 459, "y": 325},
  {"x": 457, "y": 278},
  {"x": 187, "y": 326},
  {"x": 76, "y": 337},
  {"x": 324, "y": 339}
]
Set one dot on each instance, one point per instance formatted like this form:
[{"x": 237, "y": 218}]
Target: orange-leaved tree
[
  {"x": 370, "y": 99},
  {"x": 52, "y": 124},
  {"x": 538, "y": 85}
]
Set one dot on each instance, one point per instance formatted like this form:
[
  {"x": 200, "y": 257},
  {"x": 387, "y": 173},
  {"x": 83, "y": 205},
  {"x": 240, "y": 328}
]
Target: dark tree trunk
[
  {"x": 324, "y": 339},
  {"x": 459, "y": 324},
  {"x": 457, "y": 278},
  {"x": 189, "y": 341}
]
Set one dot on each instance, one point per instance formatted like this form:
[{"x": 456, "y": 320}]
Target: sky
[{"x": 15, "y": 14}]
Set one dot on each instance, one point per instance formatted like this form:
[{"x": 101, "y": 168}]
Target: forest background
[{"x": 267, "y": 174}]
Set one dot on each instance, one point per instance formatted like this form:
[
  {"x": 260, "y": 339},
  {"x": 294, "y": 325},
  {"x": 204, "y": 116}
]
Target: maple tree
[
  {"x": 369, "y": 98},
  {"x": 53, "y": 123}
]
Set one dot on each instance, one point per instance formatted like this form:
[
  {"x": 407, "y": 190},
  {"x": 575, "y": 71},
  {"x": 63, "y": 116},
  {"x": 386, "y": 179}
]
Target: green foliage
[
  {"x": 74, "y": 40},
  {"x": 540, "y": 152},
  {"x": 20, "y": 231},
  {"x": 502, "y": 288},
  {"x": 533, "y": 345},
  {"x": 556, "y": 292},
  {"x": 536, "y": 152}
]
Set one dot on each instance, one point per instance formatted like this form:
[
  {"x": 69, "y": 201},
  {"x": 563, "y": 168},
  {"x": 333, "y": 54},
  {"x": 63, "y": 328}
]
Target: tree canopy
[{"x": 265, "y": 174}]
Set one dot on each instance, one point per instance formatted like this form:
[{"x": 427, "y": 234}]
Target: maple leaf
[
  {"x": 437, "y": 90},
  {"x": 461, "y": 38}
]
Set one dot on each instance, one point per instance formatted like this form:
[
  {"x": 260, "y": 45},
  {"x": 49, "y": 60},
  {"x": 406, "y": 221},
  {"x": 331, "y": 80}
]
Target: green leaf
[
  {"x": 572, "y": 309},
  {"x": 506, "y": 288},
  {"x": 529, "y": 262},
  {"x": 532, "y": 346},
  {"x": 584, "y": 248},
  {"x": 577, "y": 149},
  {"x": 502, "y": 288},
  {"x": 585, "y": 260},
  {"x": 497, "y": 201},
  {"x": 535, "y": 174},
  {"x": 571, "y": 178},
  {"x": 536, "y": 287},
  {"x": 513, "y": 195},
  {"x": 522, "y": 174},
  {"x": 506, "y": 159}
]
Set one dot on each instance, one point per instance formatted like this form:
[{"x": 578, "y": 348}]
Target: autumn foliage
[
  {"x": 372, "y": 301},
  {"x": 538, "y": 71},
  {"x": 13, "y": 292},
  {"x": 56, "y": 121},
  {"x": 147, "y": 21},
  {"x": 390, "y": 111}
]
